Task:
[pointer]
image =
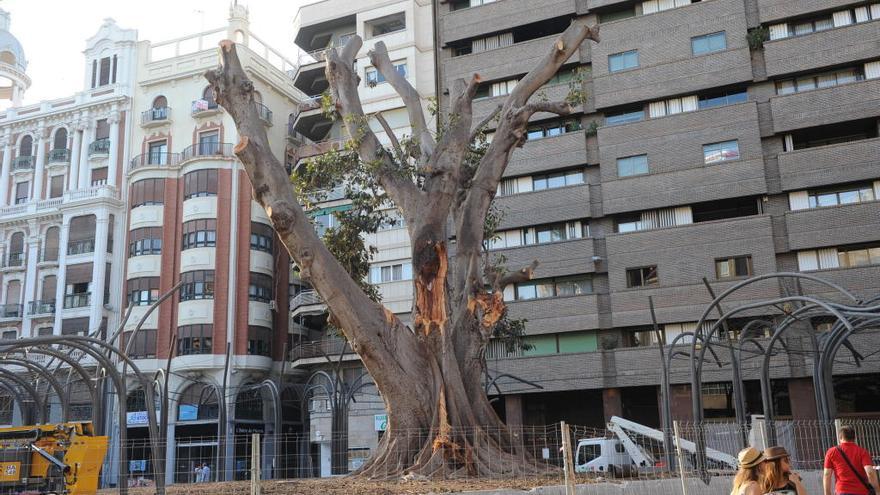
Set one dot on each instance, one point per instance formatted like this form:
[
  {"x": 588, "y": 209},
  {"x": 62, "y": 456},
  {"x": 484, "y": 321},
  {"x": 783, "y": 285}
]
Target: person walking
[
  {"x": 206, "y": 473},
  {"x": 198, "y": 474},
  {"x": 746, "y": 480},
  {"x": 776, "y": 475},
  {"x": 851, "y": 466}
]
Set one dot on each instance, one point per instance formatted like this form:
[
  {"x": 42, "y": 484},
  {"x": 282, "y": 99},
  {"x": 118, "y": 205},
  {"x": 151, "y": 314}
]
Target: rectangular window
[
  {"x": 262, "y": 237},
  {"x": 199, "y": 233},
  {"x": 632, "y": 165},
  {"x": 551, "y": 129},
  {"x": 841, "y": 196},
  {"x": 147, "y": 192},
  {"x": 259, "y": 341},
  {"x": 21, "y": 192},
  {"x": 552, "y": 287},
  {"x": 209, "y": 143},
  {"x": 260, "y": 288},
  {"x": 623, "y": 61},
  {"x": 558, "y": 179},
  {"x": 708, "y": 43},
  {"x": 197, "y": 284},
  {"x": 56, "y": 186},
  {"x": 144, "y": 344},
  {"x": 200, "y": 183},
  {"x": 194, "y": 339},
  {"x": 105, "y": 72},
  {"x": 860, "y": 256},
  {"x": 625, "y": 117},
  {"x": 145, "y": 241},
  {"x": 390, "y": 273},
  {"x": 720, "y": 99},
  {"x": 374, "y": 77},
  {"x": 818, "y": 81},
  {"x": 99, "y": 176},
  {"x": 158, "y": 153},
  {"x": 721, "y": 152},
  {"x": 739, "y": 266},
  {"x": 642, "y": 277},
  {"x": 143, "y": 291}
]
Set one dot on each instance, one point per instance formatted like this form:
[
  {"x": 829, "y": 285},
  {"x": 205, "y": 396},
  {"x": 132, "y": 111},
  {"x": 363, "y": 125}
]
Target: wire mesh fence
[{"x": 619, "y": 458}]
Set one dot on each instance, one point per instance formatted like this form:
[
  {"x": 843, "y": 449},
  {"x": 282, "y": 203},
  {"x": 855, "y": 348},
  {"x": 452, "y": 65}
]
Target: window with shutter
[
  {"x": 104, "y": 75},
  {"x": 56, "y": 186},
  {"x": 99, "y": 176}
]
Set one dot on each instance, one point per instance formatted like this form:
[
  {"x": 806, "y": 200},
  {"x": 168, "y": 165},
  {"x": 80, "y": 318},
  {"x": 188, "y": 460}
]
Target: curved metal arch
[
  {"x": 84, "y": 375},
  {"x": 50, "y": 378},
  {"x": 17, "y": 398},
  {"x": 40, "y": 406}
]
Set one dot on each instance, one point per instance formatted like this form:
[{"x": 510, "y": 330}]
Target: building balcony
[
  {"x": 557, "y": 314},
  {"x": 861, "y": 281},
  {"x": 204, "y": 108},
  {"x": 11, "y": 312},
  {"x": 79, "y": 300},
  {"x": 154, "y": 159},
  {"x": 841, "y": 45},
  {"x": 310, "y": 76},
  {"x": 83, "y": 246},
  {"x": 598, "y": 4},
  {"x": 545, "y": 206},
  {"x": 309, "y": 120},
  {"x": 831, "y": 164},
  {"x": 264, "y": 113},
  {"x": 41, "y": 307},
  {"x": 206, "y": 150},
  {"x": 59, "y": 156},
  {"x": 48, "y": 257},
  {"x": 23, "y": 163},
  {"x": 498, "y": 16},
  {"x": 775, "y": 10},
  {"x": 307, "y": 302},
  {"x": 500, "y": 63},
  {"x": 155, "y": 117},
  {"x": 674, "y": 145},
  {"x": 833, "y": 225},
  {"x": 666, "y": 64},
  {"x": 684, "y": 255},
  {"x": 101, "y": 147},
  {"x": 555, "y": 258},
  {"x": 550, "y": 153},
  {"x": 320, "y": 349},
  {"x": 842, "y": 103}
]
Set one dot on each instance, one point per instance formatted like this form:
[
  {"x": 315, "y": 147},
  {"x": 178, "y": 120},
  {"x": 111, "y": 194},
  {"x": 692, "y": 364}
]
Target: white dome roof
[{"x": 11, "y": 51}]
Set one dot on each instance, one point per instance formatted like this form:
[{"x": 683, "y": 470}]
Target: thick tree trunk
[{"x": 430, "y": 374}]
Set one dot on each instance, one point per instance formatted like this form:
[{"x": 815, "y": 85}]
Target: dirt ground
[{"x": 348, "y": 486}]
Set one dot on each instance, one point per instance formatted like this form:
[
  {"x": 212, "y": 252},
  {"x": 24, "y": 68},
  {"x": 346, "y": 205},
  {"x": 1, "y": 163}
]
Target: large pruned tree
[{"x": 429, "y": 374}]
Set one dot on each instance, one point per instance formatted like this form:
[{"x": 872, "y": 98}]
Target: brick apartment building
[{"x": 697, "y": 154}]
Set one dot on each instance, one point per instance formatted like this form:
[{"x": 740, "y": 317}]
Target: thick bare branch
[
  {"x": 362, "y": 320},
  {"x": 483, "y": 123},
  {"x": 498, "y": 278},
  {"x": 344, "y": 86},
  {"x": 557, "y": 107},
  {"x": 510, "y": 133},
  {"x": 411, "y": 99}
]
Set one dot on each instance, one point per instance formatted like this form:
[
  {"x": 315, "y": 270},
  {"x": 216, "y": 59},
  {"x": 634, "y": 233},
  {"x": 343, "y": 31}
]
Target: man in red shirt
[{"x": 852, "y": 477}]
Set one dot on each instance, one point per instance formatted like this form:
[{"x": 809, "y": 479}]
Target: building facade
[
  {"x": 405, "y": 27},
  {"x": 61, "y": 213},
  {"x": 192, "y": 225},
  {"x": 719, "y": 139}
]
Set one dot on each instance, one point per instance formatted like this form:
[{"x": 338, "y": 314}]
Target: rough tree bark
[{"x": 429, "y": 375}]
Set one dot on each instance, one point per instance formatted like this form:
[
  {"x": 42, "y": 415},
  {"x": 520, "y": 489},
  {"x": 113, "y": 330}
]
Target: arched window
[
  {"x": 249, "y": 403},
  {"x": 198, "y": 402},
  {"x": 160, "y": 102},
  {"x": 16, "y": 249},
  {"x": 27, "y": 146},
  {"x": 50, "y": 247},
  {"x": 82, "y": 235},
  {"x": 60, "y": 141},
  {"x": 7, "y": 57}
]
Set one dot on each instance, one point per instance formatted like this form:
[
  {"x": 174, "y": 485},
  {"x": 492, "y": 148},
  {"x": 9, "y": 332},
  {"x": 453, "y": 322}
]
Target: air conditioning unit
[{"x": 273, "y": 305}]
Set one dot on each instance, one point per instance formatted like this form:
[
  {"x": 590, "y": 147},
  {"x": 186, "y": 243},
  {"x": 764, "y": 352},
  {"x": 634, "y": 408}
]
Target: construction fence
[{"x": 624, "y": 457}]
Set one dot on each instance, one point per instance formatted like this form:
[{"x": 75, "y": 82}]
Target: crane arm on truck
[
  {"x": 657, "y": 435},
  {"x": 638, "y": 455}
]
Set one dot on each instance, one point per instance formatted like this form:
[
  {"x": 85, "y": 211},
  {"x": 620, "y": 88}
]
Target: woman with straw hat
[
  {"x": 777, "y": 478},
  {"x": 746, "y": 480}
]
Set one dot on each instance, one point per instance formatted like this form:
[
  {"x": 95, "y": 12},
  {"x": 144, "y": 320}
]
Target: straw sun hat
[{"x": 749, "y": 457}]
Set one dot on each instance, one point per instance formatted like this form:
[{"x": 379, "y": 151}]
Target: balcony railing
[
  {"x": 10, "y": 311},
  {"x": 81, "y": 247},
  {"x": 155, "y": 159},
  {"x": 41, "y": 307},
  {"x": 306, "y": 298},
  {"x": 23, "y": 163},
  {"x": 155, "y": 115},
  {"x": 206, "y": 149},
  {"x": 100, "y": 147},
  {"x": 79, "y": 300},
  {"x": 264, "y": 112},
  {"x": 203, "y": 106},
  {"x": 61, "y": 155},
  {"x": 320, "y": 348},
  {"x": 15, "y": 259}
]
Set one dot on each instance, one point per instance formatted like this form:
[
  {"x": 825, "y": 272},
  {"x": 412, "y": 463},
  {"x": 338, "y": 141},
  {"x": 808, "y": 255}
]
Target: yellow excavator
[{"x": 57, "y": 459}]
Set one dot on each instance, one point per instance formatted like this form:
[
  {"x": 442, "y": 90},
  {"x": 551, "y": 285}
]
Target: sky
[{"x": 53, "y": 33}]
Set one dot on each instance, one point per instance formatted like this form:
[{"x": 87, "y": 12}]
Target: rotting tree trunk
[{"x": 440, "y": 422}]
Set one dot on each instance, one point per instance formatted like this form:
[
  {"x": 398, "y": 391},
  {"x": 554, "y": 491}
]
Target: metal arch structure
[
  {"x": 47, "y": 375},
  {"x": 794, "y": 313}
]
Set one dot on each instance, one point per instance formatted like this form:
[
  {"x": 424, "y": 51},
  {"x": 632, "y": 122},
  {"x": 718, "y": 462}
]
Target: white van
[{"x": 602, "y": 455}]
